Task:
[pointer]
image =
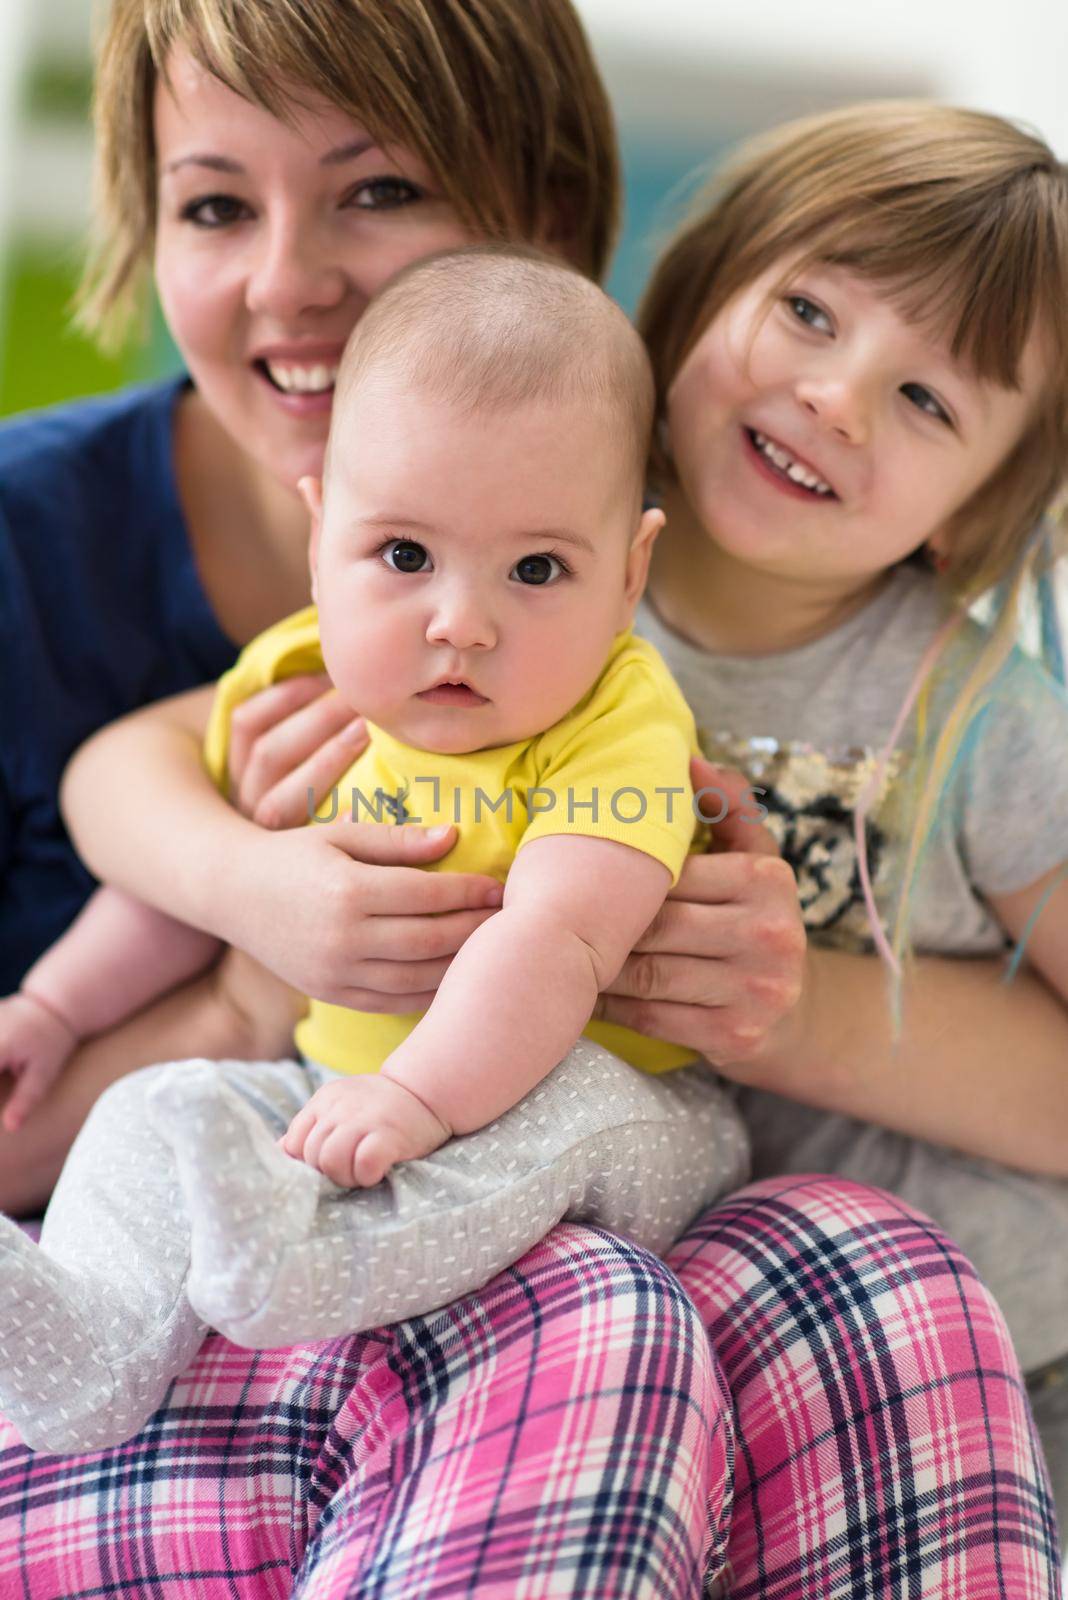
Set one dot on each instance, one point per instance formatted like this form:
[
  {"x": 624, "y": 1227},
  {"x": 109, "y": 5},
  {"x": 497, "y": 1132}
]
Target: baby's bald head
[{"x": 497, "y": 328}]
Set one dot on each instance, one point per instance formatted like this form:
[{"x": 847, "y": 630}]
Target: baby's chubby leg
[
  {"x": 597, "y": 1141},
  {"x": 96, "y": 1322}
]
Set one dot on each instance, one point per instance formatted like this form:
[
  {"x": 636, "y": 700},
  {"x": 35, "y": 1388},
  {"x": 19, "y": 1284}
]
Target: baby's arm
[
  {"x": 512, "y": 1004},
  {"x": 116, "y": 956}
]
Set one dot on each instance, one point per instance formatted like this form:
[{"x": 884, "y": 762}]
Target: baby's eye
[
  {"x": 808, "y": 312},
  {"x": 537, "y": 570},
  {"x": 214, "y": 210},
  {"x": 384, "y": 194},
  {"x": 404, "y": 555},
  {"x": 925, "y": 401}
]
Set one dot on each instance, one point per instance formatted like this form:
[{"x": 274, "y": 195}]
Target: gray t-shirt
[{"x": 806, "y": 726}]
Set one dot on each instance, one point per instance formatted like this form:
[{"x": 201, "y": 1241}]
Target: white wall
[{"x": 1011, "y": 57}]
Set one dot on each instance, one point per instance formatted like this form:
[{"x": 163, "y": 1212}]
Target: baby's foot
[
  {"x": 55, "y": 1385},
  {"x": 248, "y": 1202}
]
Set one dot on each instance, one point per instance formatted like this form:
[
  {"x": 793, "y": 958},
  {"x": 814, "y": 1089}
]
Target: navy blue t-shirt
[{"x": 101, "y": 611}]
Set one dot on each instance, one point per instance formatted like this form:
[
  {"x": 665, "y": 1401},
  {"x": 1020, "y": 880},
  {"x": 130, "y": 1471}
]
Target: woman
[{"x": 566, "y": 1431}]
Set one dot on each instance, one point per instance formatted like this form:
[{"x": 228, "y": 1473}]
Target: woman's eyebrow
[{"x": 333, "y": 158}]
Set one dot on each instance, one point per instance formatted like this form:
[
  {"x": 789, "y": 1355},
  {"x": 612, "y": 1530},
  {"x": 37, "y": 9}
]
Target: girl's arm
[
  {"x": 510, "y": 1007},
  {"x": 981, "y": 1065}
]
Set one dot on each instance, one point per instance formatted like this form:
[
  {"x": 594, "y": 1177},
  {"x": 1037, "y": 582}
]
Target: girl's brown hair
[{"x": 501, "y": 99}]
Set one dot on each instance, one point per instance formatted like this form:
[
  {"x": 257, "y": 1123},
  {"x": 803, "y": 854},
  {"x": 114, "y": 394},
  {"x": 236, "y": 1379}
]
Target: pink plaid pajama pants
[{"x": 832, "y": 1409}]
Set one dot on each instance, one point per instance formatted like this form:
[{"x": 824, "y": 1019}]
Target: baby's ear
[
  {"x": 311, "y": 492},
  {"x": 641, "y": 549}
]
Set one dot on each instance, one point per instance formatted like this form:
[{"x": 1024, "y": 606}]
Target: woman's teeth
[
  {"x": 785, "y": 462},
  {"x": 301, "y": 380}
]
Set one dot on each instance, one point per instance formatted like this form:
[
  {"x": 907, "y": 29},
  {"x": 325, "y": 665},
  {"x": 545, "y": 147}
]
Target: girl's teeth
[
  {"x": 302, "y": 380},
  {"x": 786, "y": 463}
]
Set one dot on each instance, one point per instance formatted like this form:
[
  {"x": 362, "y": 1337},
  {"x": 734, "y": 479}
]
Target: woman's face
[{"x": 271, "y": 239}]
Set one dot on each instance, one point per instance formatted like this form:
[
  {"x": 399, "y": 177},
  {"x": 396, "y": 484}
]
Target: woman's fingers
[
  {"x": 734, "y": 876},
  {"x": 264, "y": 711},
  {"x": 276, "y": 731},
  {"x": 405, "y": 890},
  {"x": 720, "y": 1036},
  {"x": 728, "y": 803},
  {"x": 313, "y": 750},
  {"x": 296, "y": 797},
  {"x": 403, "y": 979},
  {"x": 765, "y": 930},
  {"x": 415, "y": 939}
]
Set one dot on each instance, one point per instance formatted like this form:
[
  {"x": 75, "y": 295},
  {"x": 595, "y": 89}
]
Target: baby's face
[{"x": 472, "y": 569}]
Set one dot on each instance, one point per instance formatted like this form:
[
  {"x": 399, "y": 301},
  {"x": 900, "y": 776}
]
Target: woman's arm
[
  {"x": 339, "y": 911},
  {"x": 980, "y": 1065}
]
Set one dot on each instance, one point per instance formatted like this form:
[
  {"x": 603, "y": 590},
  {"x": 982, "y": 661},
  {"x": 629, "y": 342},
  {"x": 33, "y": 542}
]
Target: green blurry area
[{"x": 43, "y": 359}]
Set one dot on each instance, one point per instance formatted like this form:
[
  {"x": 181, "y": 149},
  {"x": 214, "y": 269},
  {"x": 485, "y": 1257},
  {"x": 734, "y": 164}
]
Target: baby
[{"x": 478, "y": 548}]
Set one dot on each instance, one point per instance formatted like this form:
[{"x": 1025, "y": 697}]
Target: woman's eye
[
  {"x": 384, "y": 194},
  {"x": 537, "y": 570},
  {"x": 403, "y": 555},
  {"x": 214, "y": 210},
  {"x": 925, "y": 401},
  {"x": 808, "y": 312}
]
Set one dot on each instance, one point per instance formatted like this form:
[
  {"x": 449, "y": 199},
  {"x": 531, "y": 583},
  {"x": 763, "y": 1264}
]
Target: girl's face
[
  {"x": 271, "y": 239},
  {"x": 824, "y": 437}
]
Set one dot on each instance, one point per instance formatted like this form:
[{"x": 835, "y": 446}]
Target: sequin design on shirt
[{"x": 810, "y": 795}]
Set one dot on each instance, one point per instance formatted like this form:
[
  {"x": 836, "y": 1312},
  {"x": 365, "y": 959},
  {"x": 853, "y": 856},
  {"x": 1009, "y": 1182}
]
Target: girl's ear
[
  {"x": 641, "y": 549},
  {"x": 311, "y": 492}
]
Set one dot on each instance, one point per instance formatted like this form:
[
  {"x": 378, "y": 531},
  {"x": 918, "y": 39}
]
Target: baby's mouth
[
  {"x": 784, "y": 465},
  {"x": 453, "y": 692}
]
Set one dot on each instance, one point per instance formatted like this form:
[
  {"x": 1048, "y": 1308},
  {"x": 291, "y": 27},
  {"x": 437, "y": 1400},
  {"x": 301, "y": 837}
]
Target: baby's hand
[
  {"x": 35, "y": 1045},
  {"x": 355, "y": 1129}
]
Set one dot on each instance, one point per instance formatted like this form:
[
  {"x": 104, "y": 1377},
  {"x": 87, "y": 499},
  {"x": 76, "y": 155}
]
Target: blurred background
[{"x": 688, "y": 79}]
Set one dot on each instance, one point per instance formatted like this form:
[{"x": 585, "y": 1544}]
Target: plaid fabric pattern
[
  {"x": 556, "y": 1435},
  {"x": 568, "y": 1432},
  {"x": 884, "y": 1443}
]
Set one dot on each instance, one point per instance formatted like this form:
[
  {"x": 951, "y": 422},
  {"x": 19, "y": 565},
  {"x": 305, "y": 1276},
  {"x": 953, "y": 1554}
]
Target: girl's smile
[
  {"x": 786, "y": 468},
  {"x": 820, "y": 436}
]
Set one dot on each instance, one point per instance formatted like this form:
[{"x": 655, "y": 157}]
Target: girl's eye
[
  {"x": 384, "y": 194},
  {"x": 925, "y": 401},
  {"x": 808, "y": 312},
  {"x": 214, "y": 210},
  {"x": 404, "y": 555},
  {"x": 538, "y": 570}
]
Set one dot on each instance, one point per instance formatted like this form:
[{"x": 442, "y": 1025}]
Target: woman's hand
[
  {"x": 349, "y": 918},
  {"x": 296, "y": 736},
  {"x": 721, "y": 967},
  {"x": 342, "y": 911}
]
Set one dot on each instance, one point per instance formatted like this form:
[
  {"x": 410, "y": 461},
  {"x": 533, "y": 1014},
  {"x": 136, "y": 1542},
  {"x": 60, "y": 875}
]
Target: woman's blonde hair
[
  {"x": 501, "y": 99},
  {"x": 963, "y": 218}
]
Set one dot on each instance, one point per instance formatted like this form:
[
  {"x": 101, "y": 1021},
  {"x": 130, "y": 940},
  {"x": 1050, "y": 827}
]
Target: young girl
[
  {"x": 481, "y": 514},
  {"x": 439, "y": 1457},
  {"x": 862, "y": 364}
]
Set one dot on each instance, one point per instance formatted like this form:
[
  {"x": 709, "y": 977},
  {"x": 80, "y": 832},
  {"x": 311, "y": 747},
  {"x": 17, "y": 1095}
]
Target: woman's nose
[
  {"x": 460, "y": 619},
  {"x": 295, "y": 271}
]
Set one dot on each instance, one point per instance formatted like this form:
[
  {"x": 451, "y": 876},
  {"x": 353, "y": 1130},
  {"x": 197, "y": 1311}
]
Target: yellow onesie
[{"x": 616, "y": 767}]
